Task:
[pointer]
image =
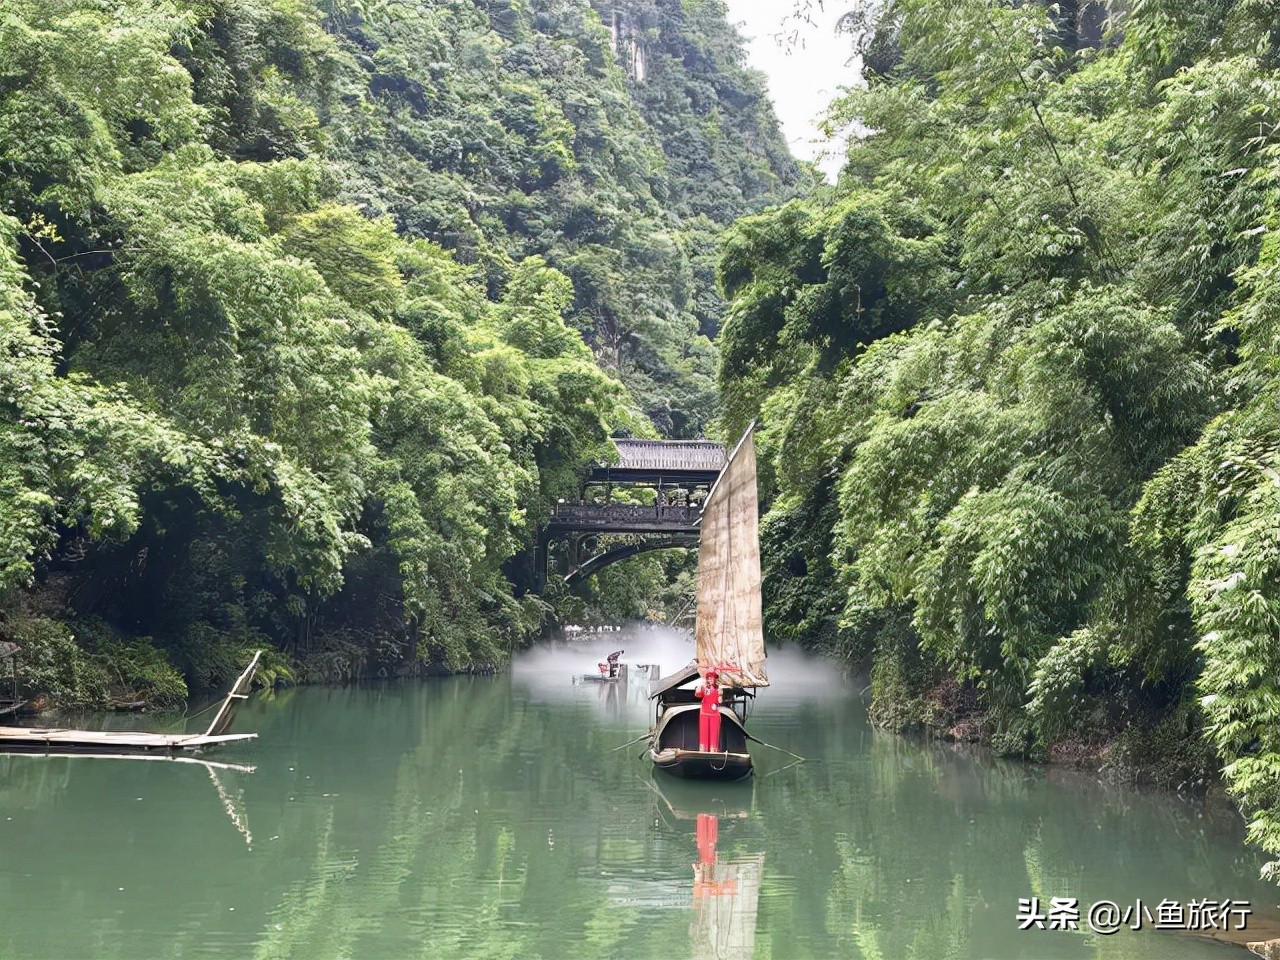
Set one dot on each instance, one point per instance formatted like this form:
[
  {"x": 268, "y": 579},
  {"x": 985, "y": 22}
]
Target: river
[{"x": 489, "y": 818}]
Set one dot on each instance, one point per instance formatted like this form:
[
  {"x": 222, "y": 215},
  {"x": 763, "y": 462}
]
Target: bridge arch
[{"x": 606, "y": 558}]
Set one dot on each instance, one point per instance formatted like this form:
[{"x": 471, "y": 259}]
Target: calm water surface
[{"x": 487, "y": 818}]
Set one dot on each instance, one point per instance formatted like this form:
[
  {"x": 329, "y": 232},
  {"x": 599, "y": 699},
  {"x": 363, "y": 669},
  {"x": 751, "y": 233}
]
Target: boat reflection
[
  {"x": 607, "y": 693},
  {"x": 680, "y": 801},
  {"x": 726, "y": 888},
  {"x": 726, "y": 898}
]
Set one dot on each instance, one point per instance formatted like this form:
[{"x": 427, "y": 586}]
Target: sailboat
[{"x": 728, "y": 634}]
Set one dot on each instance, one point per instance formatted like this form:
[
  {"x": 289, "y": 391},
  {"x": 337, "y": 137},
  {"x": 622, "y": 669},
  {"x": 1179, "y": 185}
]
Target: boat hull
[
  {"x": 673, "y": 746},
  {"x": 702, "y": 765}
]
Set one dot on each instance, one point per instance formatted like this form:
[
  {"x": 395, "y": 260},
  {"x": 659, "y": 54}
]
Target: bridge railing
[
  {"x": 624, "y": 514},
  {"x": 675, "y": 455}
]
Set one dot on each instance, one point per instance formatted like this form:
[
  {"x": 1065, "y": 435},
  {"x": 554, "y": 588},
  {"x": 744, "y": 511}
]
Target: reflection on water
[
  {"x": 726, "y": 890},
  {"x": 726, "y": 896},
  {"x": 490, "y": 818}
]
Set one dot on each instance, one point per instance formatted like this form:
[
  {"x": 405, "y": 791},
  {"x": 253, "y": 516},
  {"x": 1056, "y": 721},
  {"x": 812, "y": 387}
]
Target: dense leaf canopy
[
  {"x": 1018, "y": 379},
  {"x": 309, "y": 311}
]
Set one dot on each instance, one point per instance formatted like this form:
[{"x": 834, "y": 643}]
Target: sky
[{"x": 803, "y": 76}]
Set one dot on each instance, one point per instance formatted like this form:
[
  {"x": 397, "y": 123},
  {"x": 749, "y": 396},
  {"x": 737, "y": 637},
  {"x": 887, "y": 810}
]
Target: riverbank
[
  {"x": 1160, "y": 751},
  {"x": 59, "y": 663},
  {"x": 84, "y": 665}
]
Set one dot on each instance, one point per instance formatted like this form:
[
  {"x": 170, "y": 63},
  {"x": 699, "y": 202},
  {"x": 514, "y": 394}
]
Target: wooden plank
[
  {"x": 96, "y": 740},
  {"x": 104, "y": 742},
  {"x": 223, "y": 719},
  {"x": 222, "y": 737}
]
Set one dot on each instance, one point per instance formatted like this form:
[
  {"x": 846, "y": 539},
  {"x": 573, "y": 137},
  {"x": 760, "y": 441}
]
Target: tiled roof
[{"x": 669, "y": 455}]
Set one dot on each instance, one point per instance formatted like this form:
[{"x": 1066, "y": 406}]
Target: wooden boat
[
  {"x": 728, "y": 632},
  {"x": 116, "y": 743},
  {"x": 673, "y": 742}
]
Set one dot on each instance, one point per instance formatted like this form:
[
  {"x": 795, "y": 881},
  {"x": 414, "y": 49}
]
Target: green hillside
[
  {"x": 307, "y": 312},
  {"x": 1018, "y": 372}
]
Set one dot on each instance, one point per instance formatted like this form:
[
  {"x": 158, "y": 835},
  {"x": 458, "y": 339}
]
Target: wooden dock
[
  {"x": 54, "y": 740},
  {"x": 48, "y": 740}
]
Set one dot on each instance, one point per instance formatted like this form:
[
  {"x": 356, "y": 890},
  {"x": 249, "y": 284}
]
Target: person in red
[
  {"x": 609, "y": 665},
  {"x": 709, "y": 715}
]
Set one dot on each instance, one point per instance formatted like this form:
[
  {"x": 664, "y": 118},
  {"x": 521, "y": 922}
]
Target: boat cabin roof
[{"x": 678, "y": 679}]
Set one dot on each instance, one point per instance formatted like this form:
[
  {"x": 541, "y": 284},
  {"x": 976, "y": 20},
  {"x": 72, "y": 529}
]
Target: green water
[{"x": 487, "y": 818}]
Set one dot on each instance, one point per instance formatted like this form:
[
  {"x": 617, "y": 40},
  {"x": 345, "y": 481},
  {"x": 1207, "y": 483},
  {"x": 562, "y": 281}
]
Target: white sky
[{"x": 803, "y": 77}]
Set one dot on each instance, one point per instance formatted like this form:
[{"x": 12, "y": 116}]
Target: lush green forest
[
  {"x": 1018, "y": 375},
  {"x": 309, "y": 311}
]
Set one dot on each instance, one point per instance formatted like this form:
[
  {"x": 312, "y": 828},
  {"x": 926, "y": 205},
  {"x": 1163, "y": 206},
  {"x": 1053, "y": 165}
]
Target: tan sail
[{"x": 729, "y": 633}]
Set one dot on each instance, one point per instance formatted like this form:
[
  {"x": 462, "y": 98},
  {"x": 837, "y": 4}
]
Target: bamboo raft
[
  {"x": 52, "y": 740},
  {"x": 47, "y": 740}
]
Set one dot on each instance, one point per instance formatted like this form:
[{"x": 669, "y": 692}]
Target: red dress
[{"x": 709, "y": 717}]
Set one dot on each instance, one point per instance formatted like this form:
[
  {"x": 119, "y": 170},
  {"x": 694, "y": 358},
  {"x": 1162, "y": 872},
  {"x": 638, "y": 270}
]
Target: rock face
[
  {"x": 627, "y": 46},
  {"x": 1083, "y": 22}
]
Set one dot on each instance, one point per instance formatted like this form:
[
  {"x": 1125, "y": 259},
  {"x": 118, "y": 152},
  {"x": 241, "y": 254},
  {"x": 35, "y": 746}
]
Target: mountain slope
[{"x": 309, "y": 312}]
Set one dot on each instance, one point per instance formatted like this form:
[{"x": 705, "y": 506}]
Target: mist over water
[
  {"x": 553, "y": 672},
  {"x": 560, "y": 659}
]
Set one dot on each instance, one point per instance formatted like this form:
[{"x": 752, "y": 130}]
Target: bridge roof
[{"x": 669, "y": 455}]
